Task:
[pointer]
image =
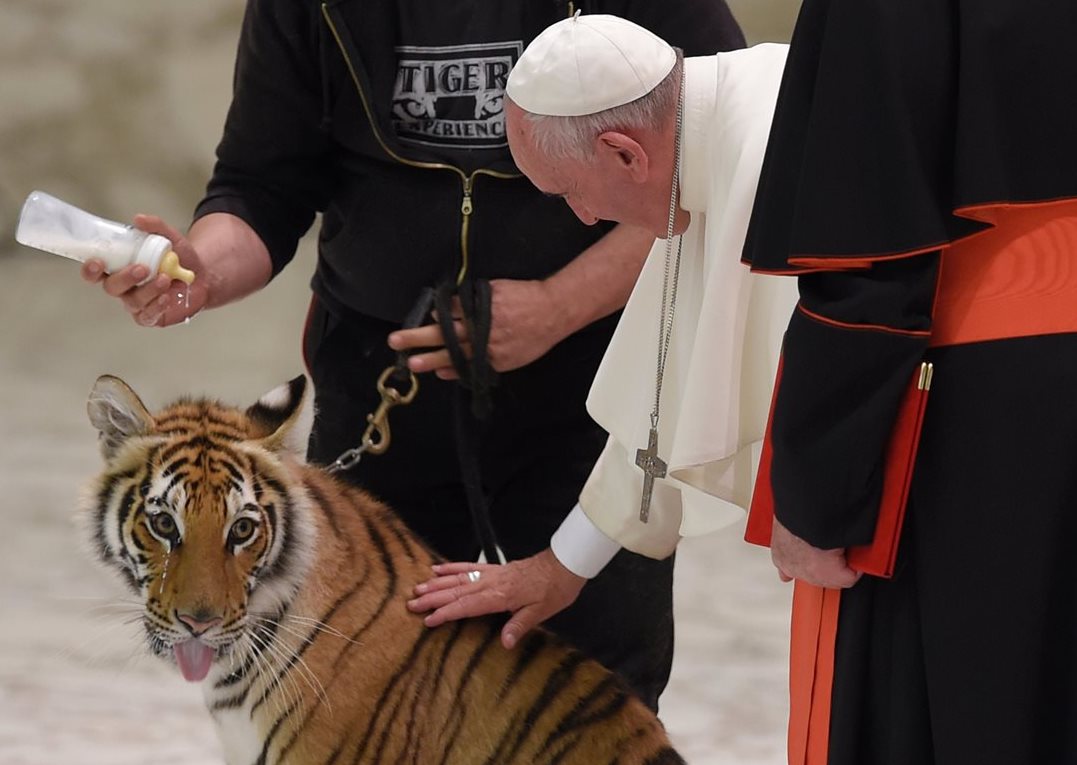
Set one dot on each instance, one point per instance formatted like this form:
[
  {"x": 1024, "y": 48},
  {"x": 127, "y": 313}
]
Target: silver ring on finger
[{"x": 474, "y": 576}]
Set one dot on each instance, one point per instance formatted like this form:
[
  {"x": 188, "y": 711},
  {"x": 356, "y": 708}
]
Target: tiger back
[{"x": 282, "y": 591}]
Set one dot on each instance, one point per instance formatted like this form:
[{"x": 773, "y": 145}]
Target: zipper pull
[{"x": 466, "y": 206}]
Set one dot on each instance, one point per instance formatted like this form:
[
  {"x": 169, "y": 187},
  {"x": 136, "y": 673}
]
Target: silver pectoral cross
[{"x": 652, "y": 467}]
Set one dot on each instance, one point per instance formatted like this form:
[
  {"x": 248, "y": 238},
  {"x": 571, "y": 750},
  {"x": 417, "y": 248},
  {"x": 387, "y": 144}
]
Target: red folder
[{"x": 878, "y": 557}]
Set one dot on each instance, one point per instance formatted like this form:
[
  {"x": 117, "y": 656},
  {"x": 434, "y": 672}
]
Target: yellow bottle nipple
[{"x": 170, "y": 266}]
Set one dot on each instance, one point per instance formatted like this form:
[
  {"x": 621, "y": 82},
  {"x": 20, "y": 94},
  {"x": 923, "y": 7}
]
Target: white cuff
[{"x": 581, "y": 546}]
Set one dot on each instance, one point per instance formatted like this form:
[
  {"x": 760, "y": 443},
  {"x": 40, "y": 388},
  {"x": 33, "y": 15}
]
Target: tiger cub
[{"x": 282, "y": 591}]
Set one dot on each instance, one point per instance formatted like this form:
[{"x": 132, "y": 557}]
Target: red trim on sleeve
[
  {"x": 834, "y": 263},
  {"x": 865, "y": 327}
]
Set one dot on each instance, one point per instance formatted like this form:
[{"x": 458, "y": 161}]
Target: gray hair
[{"x": 573, "y": 137}]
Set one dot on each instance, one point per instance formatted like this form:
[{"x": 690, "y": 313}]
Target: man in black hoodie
[{"x": 387, "y": 118}]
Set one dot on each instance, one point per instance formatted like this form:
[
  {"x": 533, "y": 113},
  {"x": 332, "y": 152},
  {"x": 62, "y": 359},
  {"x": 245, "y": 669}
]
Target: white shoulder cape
[{"x": 726, "y": 334}]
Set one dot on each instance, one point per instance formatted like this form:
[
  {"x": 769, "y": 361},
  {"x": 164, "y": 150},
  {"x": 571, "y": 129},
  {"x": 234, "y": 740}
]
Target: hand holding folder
[{"x": 878, "y": 557}]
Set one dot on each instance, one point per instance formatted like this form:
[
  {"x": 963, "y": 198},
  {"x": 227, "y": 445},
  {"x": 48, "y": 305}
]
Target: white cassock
[{"x": 725, "y": 342}]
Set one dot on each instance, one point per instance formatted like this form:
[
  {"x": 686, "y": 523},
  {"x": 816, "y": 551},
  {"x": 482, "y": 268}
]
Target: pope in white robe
[
  {"x": 726, "y": 332},
  {"x": 727, "y": 322}
]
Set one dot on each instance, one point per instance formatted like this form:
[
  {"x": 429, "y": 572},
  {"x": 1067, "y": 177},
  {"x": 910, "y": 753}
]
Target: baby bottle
[{"x": 50, "y": 224}]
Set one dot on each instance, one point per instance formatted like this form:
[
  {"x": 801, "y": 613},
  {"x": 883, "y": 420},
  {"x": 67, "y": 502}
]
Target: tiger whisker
[
  {"x": 101, "y": 628},
  {"x": 306, "y": 672},
  {"x": 260, "y": 679},
  {"x": 311, "y": 678},
  {"x": 111, "y": 607},
  {"x": 82, "y": 598},
  {"x": 321, "y": 627},
  {"x": 117, "y": 618},
  {"x": 271, "y": 680},
  {"x": 307, "y": 639},
  {"x": 284, "y": 676},
  {"x": 110, "y": 610},
  {"x": 286, "y": 655}
]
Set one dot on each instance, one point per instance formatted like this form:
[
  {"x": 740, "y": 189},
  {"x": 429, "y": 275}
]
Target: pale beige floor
[{"x": 116, "y": 104}]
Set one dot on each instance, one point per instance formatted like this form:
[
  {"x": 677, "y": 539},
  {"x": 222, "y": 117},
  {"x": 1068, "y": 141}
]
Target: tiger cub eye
[
  {"x": 242, "y": 530},
  {"x": 163, "y": 525}
]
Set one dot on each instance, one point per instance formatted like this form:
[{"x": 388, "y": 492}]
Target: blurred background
[{"x": 116, "y": 106}]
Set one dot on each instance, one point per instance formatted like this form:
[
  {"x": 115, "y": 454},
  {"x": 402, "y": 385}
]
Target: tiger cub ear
[
  {"x": 118, "y": 414},
  {"x": 282, "y": 418}
]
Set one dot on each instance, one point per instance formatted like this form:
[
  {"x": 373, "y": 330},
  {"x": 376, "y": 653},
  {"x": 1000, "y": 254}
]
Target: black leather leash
[
  {"x": 475, "y": 373},
  {"x": 478, "y": 379}
]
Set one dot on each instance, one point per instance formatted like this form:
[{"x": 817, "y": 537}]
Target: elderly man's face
[{"x": 593, "y": 192}]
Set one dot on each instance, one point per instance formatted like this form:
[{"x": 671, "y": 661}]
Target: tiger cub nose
[{"x": 198, "y": 623}]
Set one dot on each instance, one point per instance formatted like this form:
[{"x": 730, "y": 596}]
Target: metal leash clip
[{"x": 378, "y": 422}]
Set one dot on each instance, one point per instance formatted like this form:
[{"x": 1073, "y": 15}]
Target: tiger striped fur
[{"x": 282, "y": 590}]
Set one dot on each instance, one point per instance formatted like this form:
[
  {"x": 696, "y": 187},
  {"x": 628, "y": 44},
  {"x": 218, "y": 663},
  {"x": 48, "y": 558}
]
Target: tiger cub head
[{"x": 198, "y": 511}]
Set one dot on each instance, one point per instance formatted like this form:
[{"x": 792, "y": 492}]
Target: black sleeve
[
  {"x": 272, "y": 166},
  {"x": 698, "y": 27},
  {"x": 851, "y": 348}
]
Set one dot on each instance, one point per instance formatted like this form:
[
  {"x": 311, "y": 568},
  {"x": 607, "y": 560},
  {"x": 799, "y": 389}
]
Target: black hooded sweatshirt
[{"x": 386, "y": 116}]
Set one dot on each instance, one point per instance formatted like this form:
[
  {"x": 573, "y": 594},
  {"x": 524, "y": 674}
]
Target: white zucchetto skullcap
[{"x": 587, "y": 64}]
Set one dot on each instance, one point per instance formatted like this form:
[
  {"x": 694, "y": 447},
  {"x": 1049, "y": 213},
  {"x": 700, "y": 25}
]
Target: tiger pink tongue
[{"x": 194, "y": 658}]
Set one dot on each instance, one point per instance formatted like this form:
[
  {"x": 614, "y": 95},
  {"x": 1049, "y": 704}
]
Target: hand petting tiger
[{"x": 282, "y": 591}]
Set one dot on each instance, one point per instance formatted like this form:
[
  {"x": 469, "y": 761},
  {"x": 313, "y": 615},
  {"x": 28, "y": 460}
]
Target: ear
[
  {"x": 118, "y": 414},
  {"x": 282, "y": 418},
  {"x": 620, "y": 152}
]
